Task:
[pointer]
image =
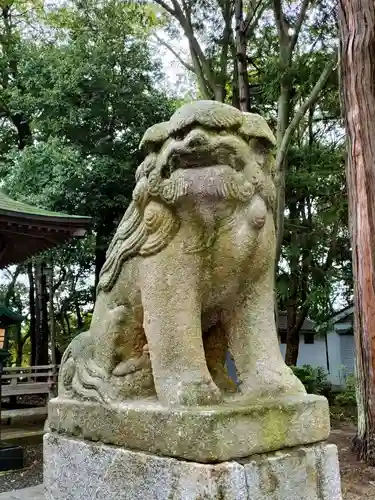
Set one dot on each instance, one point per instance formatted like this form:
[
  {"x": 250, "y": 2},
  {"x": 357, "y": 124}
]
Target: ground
[
  {"x": 358, "y": 480},
  {"x": 31, "y": 475}
]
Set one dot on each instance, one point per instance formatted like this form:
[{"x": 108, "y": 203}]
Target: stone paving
[{"x": 35, "y": 493}]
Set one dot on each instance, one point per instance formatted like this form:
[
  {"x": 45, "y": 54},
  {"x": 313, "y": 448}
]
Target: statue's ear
[
  {"x": 131, "y": 234},
  {"x": 138, "y": 234},
  {"x": 254, "y": 125},
  {"x": 161, "y": 226}
]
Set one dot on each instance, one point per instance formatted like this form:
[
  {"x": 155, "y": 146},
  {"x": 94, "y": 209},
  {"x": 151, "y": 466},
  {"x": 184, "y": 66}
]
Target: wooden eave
[{"x": 27, "y": 230}]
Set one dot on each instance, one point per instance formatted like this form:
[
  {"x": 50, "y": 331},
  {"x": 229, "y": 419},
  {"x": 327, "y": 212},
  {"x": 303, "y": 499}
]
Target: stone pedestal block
[
  {"x": 232, "y": 429},
  {"x": 83, "y": 470}
]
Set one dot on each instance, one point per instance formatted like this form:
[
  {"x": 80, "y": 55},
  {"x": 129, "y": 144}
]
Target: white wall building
[{"x": 334, "y": 351}]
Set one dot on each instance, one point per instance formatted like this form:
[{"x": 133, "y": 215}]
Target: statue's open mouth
[{"x": 200, "y": 149}]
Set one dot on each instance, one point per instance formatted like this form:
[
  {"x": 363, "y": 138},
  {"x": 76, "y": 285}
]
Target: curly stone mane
[{"x": 148, "y": 226}]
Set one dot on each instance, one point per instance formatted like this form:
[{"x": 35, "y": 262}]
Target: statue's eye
[
  {"x": 165, "y": 171},
  {"x": 179, "y": 136},
  {"x": 262, "y": 146}
]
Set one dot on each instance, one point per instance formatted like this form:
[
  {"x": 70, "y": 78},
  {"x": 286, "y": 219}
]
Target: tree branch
[
  {"x": 204, "y": 85},
  {"x": 59, "y": 281},
  {"x": 188, "y": 66},
  {"x": 12, "y": 284},
  {"x": 226, "y": 10},
  {"x": 25, "y": 337},
  {"x": 299, "y": 114},
  {"x": 332, "y": 249},
  {"x": 252, "y": 18},
  {"x": 279, "y": 18},
  {"x": 201, "y": 65},
  {"x": 298, "y": 25},
  {"x": 195, "y": 48},
  {"x": 166, "y": 7}
]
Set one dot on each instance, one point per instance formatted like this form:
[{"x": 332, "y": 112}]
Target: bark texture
[
  {"x": 243, "y": 77},
  {"x": 41, "y": 315},
  {"x": 32, "y": 327},
  {"x": 357, "y": 31}
]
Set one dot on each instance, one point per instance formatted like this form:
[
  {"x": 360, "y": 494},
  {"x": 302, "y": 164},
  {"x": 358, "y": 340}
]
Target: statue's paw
[
  {"x": 271, "y": 383},
  {"x": 131, "y": 365},
  {"x": 195, "y": 393}
]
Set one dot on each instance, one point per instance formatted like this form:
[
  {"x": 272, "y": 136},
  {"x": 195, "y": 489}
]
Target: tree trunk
[
  {"x": 103, "y": 234},
  {"x": 19, "y": 345},
  {"x": 45, "y": 326},
  {"x": 292, "y": 347},
  {"x": 67, "y": 322},
  {"x": 79, "y": 316},
  {"x": 292, "y": 337},
  {"x": 21, "y": 123},
  {"x": 32, "y": 327},
  {"x": 41, "y": 316},
  {"x": 58, "y": 356},
  {"x": 100, "y": 251},
  {"x": 243, "y": 77},
  {"x": 60, "y": 319},
  {"x": 235, "y": 89},
  {"x": 52, "y": 324},
  {"x": 357, "y": 31}
]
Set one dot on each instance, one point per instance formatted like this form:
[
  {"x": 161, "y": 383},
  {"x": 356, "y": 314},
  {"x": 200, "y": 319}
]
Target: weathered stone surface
[
  {"x": 189, "y": 273},
  {"x": 209, "y": 434},
  {"x": 34, "y": 493},
  {"x": 78, "y": 470}
]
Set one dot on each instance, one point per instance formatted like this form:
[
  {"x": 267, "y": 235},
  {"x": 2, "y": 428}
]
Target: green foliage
[
  {"x": 315, "y": 380},
  {"x": 316, "y": 257},
  {"x": 75, "y": 102},
  {"x": 347, "y": 397},
  {"x": 88, "y": 100}
]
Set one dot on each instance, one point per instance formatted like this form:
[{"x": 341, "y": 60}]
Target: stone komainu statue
[{"x": 190, "y": 271}]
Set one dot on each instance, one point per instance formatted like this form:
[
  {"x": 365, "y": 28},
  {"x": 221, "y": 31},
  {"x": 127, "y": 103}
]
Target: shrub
[
  {"x": 347, "y": 396},
  {"x": 315, "y": 380}
]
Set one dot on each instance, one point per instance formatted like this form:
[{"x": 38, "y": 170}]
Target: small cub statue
[{"x": 189, "y": 273}]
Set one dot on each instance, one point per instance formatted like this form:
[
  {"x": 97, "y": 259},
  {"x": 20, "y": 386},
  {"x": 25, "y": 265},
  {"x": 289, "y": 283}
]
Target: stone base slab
[
  {"x": 209, "y": 434},
  {"x": 82, "y": 470}
]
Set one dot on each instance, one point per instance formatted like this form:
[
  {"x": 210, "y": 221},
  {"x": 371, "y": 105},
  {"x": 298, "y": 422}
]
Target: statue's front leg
[
  {"x": 172, "y": 322},
  {"x": 254, "y": 345}
]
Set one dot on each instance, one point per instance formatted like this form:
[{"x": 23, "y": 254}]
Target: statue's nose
[{"x": 195, "y": 139}]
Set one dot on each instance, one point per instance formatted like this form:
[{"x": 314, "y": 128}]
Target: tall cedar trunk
[
  {"x": 292, "y": 337},
  {"x": 357, "y": 30},
  {"x": 32, "y": 327},
  {"x": 235, "y": 89},
  {"x": 51, "y": 315},
  {"x": 45, "y": 297},
  {"x": 243, "y": 77},
  {"x": 283, "y": 114},
  {"x": 41, "y": 316}
]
